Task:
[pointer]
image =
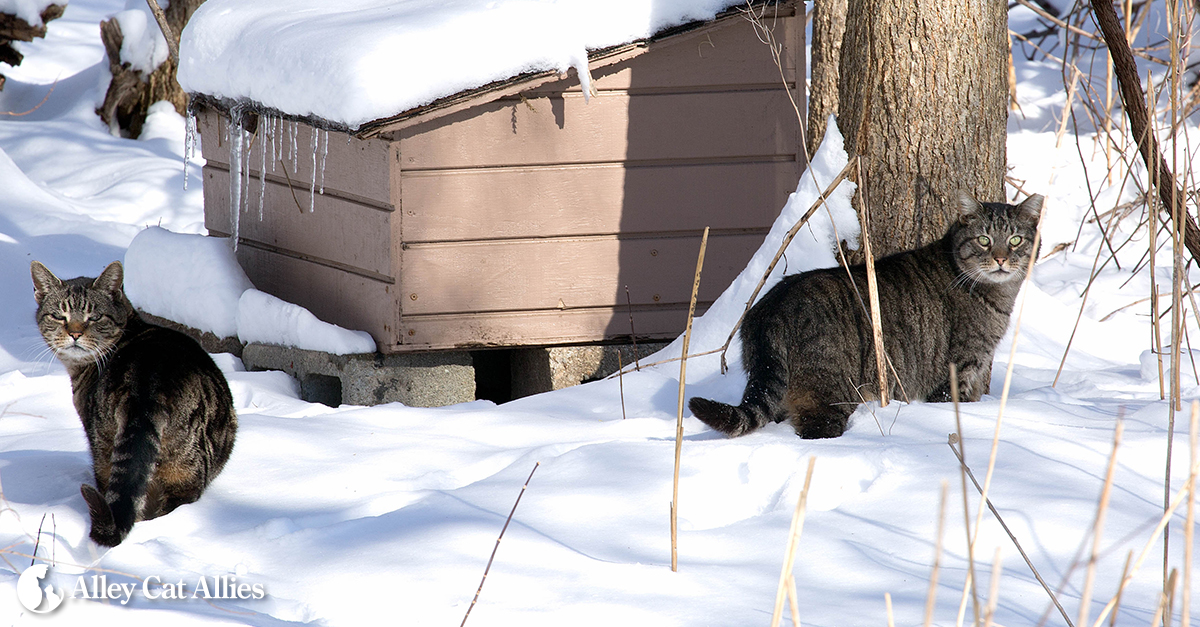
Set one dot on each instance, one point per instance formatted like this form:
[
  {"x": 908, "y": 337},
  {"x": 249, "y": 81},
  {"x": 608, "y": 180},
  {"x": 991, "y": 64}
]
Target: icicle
[
  {"x": 295, "y": 151},
  {"x": 235, "y": 171},
  {"x": 312, "y": 186},
  {"x": 262, "y": 170},
  {"x": 324, "y": 154},
  {"x": 189, "y": 144}
]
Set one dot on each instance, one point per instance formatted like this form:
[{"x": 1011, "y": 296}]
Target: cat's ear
[
  {"x": 1030, "y": 211},
  {"x": 968, "y": 208},
  {"x": 43, "y": 281},
  {"x": 111, "y": 280}
]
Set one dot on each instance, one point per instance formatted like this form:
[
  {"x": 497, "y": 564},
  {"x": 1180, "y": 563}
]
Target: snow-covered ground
[{"x": 354, "y": 516}]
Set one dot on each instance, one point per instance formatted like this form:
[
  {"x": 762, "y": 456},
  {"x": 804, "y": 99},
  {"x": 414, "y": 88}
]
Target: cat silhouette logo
[{"x": 30, "y": 592}]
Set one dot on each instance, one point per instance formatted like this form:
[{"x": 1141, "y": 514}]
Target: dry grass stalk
[
  {"x": 969, "y": 585},
  {"x": 789, "y": 556},
  {"x": 993, "y": 590},
  {"x": 1158, "y": 529},
  {"x": 793, "y": 600},
  {"x": 1116, "y": 606},
  {"x": 1098, "y": 526},
  {"x": 1003, "y": 525},
  {"x": 495, "y": 548},
  {"x": 872, "y": 290},
  {"x": 632, "y": 334},
  {"x": 887, "y": 604},
  {"x": 1190, "y": 521},
  {"x": 687, "y": 338},
  {"x": 931, "y": 597}
]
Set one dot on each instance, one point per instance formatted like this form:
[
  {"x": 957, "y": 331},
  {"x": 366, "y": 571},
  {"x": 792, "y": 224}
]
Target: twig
[
  {"x": 290, "y": 188},
  {"x": 931, "y": 597},
  {"x": 687, "y": 338},
  {"x": 161, "y": 18},
  {"x": 789, "y": 555},
  {"x": 495, "y": 548},
  {"x": 887, "y": 604},
  {"x": 621, "y": 382},
  {"x": 1015, "y": 542},
  {"x": 632, "y": 334},
  {"x": 35, "y": 107}
]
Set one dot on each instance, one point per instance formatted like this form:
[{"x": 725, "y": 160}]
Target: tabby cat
[
  {"x": 158, "y": 413},
  {"x": 808, "y": 349}
]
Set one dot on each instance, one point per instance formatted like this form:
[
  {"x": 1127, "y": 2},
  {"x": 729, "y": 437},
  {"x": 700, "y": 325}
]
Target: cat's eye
[
  {"x": 1015, "y": 241},
  {"x": 94, "y": 317},
  {"x": 57, "y": 316},
  {"x": 984, "y": 240}
]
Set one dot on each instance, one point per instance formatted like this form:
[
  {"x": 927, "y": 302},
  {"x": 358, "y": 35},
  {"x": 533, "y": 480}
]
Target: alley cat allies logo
[
  {"x": 38, "y": 596},
  {"x": 33, "y": 596}
]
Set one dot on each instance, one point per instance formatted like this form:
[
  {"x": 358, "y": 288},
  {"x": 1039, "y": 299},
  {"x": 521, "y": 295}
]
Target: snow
[
  {"x": 191, "y": 279},
  {"x": 265, "y": 319},
  {"x": 354, "y": 515},
  {"x": 28, "y": 10},
  {"x": 196, "y": 280},
  {"x": 355, "y": 61},
  {"x": 143, "y": 45}
]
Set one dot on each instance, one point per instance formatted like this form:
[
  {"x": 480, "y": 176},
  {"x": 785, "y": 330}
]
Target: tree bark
[
  {"x": 828, "y": 27},
  {"x": 131, "y": 92},
  {"x": 13, "y": 28},
  {"x": 923, "y": 98},
  {"x": 1134, "y": 100}
]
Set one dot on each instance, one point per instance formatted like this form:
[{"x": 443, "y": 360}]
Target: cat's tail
[
  {"x": 133, "y": 461},
  {"x": 762, "y": 403}
]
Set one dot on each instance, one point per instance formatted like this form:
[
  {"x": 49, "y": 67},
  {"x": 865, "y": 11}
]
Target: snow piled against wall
[
  {"x": 196, "y": 281},
  {"x": 359, "y": 60}
]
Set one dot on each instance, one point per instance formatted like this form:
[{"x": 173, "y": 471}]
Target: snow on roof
[{"x": 355, "y": 61}]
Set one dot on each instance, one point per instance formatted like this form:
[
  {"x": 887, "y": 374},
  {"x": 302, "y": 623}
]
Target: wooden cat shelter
[{"x": 516, "y": 214}]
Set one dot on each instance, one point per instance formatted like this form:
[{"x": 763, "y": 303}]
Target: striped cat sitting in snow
[
  {"x": 157, "y": 411},
  {"x": 807, "y": 345}
]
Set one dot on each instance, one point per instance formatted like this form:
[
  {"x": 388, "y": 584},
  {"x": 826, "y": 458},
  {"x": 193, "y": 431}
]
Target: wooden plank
[
  {"x": 610, "y": 128},
  {"x": 729, "y": 54},
  {"x": 340, "y": 298},
  {"x": 357, "y": 167},
  {"x": 538, "y": 328},
  {"x": 553, "y": 201},
  {"x": 567, "y": 273},
  {"x": 337, "y": 230}
]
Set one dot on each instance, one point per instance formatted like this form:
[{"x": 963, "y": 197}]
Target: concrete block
[
  {"x": 542, "y": 369},
  {"x": 417, "y": 379}
]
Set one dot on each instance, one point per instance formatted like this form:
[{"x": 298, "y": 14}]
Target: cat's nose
[
  {"x": 75, "y": 335},
  {"x": 1000, "y": 260}
]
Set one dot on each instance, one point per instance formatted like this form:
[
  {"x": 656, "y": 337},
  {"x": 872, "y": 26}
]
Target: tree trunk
[
  {"x": 131, "y": 92},
  {"x": 932, "y": 76},
  {"x": 13, "y": 28},
  {"x": 828, "y": 26}
]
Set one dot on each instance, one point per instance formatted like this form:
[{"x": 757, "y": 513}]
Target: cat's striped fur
[
  {"x": 157, "y": 411},
  {"x": 807, "y": 345}
]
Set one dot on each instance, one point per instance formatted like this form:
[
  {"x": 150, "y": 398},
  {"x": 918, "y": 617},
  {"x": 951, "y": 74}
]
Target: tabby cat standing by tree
[{"x": 157, "y": 411}]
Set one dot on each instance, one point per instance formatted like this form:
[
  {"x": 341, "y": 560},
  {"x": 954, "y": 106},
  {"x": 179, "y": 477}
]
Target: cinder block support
[
  {"x": 542, "y": 369},
  {"x": 415, "y": 379}
]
